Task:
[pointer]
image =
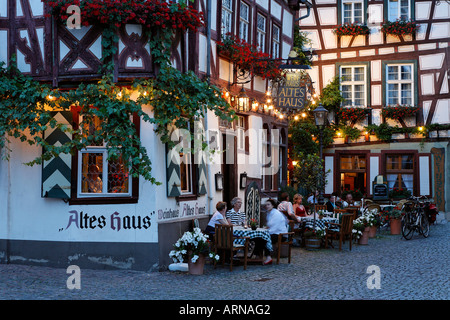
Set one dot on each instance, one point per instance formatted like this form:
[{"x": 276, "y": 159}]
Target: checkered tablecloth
[
  {"x": 248, "y": 232},
  {"x": 320, "y": 223}
]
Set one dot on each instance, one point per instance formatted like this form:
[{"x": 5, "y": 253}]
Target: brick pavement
[{"x": 417, "y": 269}]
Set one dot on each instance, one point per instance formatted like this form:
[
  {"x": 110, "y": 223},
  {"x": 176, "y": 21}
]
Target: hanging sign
[{"x": 292, "y": 93}]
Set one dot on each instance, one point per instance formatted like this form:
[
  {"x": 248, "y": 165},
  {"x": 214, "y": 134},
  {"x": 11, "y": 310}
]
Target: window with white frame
[
  {"x": 353, "y": 85},
  {"x": 244, "y": 22},
  {"x": 98, "y": 176},
  {"x": 261, "y": 32},
  {"x": 227, "y": 17},
  {"x": 275, "y": 42},
  {"x": 399, "y": 10},
  {"x": 399, "y": 84},
  {"x": 352, "y": 11}
]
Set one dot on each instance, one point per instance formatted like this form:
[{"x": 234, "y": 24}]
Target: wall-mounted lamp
[
  {"x": 219, "y": 181},
  {"x": 243, "y": 101},
  {"x": 243, "y": 180}
]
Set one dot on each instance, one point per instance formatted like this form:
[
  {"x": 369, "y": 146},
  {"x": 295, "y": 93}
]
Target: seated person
[
  {"x": 217, "y": 218},
  {"x": 314, "y": 198},
  {"x": 331, "y": 204},
  {"x": 286, "y": 208},
  {"x": 276, "y": 223},
  {"x": 235, "y": 216},
  {"x": 348, "y": 201},
  {"x": 299, "y": 209}
]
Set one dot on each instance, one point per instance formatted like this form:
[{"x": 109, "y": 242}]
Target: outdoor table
[
  {"x": 320, "y": 223},
  {"x": 248, "y": 232}
]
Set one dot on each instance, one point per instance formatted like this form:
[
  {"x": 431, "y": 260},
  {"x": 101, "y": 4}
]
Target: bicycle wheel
[
  {"x": 424, "y": 225},
  {"x": 407, "y": 228}
]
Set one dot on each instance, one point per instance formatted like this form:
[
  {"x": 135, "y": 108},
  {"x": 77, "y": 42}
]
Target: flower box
[
  {"x": 352, "y": 114},
  {"x": 351, "y": 29},
  {"x": 248, "y": 57},
  {"x": 399, "y": 112},
  {"x": 400, "y": 27}
]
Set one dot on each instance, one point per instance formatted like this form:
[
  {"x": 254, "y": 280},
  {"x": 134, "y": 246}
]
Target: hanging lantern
[{"x": 243, "y": 101}]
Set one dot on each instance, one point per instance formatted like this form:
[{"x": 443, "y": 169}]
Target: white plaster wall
[{"x": 27, "y": 216}]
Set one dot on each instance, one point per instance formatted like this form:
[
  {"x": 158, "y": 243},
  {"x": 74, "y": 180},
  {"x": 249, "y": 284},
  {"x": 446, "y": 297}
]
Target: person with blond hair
[{"x": 299, "y": 209}]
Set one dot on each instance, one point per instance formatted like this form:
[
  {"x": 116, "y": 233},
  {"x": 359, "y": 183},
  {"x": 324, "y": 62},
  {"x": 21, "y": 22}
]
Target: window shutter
[
  {"x": 201, "y": 173},
  {"x": 56, "y": 173},
  {"x": 173, "y": 172}
]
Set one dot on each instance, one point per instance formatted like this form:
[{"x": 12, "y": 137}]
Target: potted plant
[
  {"x": 394, "y": 217},
  {"x": 313, "y": 238},
  {"x": 321, "y": 213},
  {"x": 361, "y": 227},
  {"x": 193, "y": 246},
  {"x": 253, "y": 224},
  {"x": 375, "y": 222}
]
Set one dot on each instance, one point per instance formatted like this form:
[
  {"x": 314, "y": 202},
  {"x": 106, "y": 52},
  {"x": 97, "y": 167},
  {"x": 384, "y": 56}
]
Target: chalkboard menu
[{"x": 380, "y": 192}]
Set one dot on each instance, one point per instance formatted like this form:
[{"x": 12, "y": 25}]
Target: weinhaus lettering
[
  {"x": 186, "y": 211},
  {"x": 81, "y": 220}
]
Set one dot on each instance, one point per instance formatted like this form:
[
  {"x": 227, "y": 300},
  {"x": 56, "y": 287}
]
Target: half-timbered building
[
  {"x": 49, "y": 216},
  {"x": 378, "y": 70}
]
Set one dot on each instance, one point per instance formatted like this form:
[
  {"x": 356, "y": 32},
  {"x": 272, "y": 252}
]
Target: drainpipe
[
  {"x": 208, "y": 76},
  {"x": 308, "y": 9}
]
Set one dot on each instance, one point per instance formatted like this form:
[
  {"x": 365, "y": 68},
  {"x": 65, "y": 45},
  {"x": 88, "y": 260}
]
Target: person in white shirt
[
  {"x": 286, "y": 208},
  {"x": 348, "y": 200},
  {"x": 276, "y": 223},
  {"x": 313, "y": 199},
  {"x": 217, "y": 218}
]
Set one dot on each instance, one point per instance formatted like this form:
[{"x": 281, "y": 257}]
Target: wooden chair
[
  {"x": 345, "y": 230},
  {"x": 321, "y": 207},
  {"x": 338, "y": 213},
  {"x": 288, "y": 242},
  {"x": 224, "y": 243},
  {"x": 353, "y": 210}
]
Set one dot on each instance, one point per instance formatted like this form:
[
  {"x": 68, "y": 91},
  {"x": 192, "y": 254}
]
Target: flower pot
[
  {"x": 197, "y": 267},
  {"x": 396, "y": 226},
  {"x": 312, "y": 244},
  {"x": 364, "y": 239},
  {"x": 254, "y": 227},
  {"x": 372, "y": 231}
]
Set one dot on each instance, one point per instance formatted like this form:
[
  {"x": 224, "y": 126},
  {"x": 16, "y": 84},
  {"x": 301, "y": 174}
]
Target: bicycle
[{"x": 415, "y": 218}]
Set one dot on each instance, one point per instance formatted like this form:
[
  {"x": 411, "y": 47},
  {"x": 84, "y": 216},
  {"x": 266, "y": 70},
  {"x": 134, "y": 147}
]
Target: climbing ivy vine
[{"x": 174, "y": 97}]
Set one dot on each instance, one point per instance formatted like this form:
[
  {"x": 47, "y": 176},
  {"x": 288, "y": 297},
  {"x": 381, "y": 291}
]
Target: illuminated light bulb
[
  {"x": 119, "y": 95},
  {"x": 281, "y": 116},
  {"x": 294, "y": 163},
  {"x": 313, "y": 102},
  {"x": 50, "y": 97},
  {"x": 268, "y": 93},
  {"x": 339, "y": 134},
  {"x": 296, "y": 118},
  {"x": 227, "y": 94},
  {"x": 270, "y": 107},
  {"x": 304, "y": 114},
  {"x": 420, "y": 128}
]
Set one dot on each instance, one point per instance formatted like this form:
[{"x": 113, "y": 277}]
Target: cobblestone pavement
[{"x": 417, "y": 269}]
